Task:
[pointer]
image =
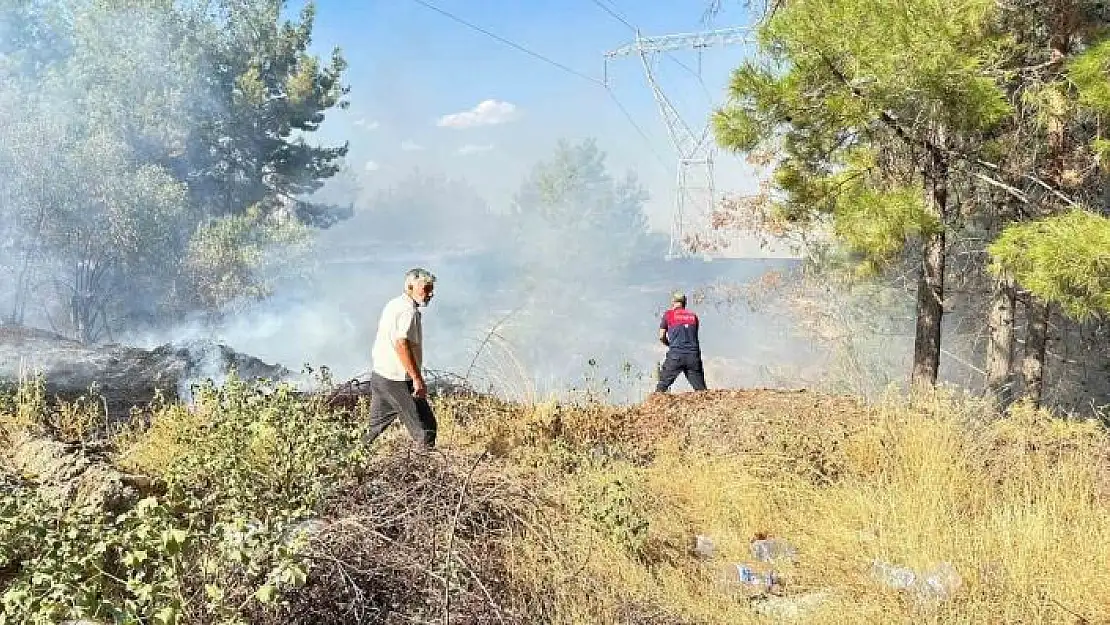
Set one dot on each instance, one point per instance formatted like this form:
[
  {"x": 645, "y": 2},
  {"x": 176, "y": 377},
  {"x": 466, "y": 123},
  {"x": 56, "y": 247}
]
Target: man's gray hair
[{"x": 418, "y": 274}]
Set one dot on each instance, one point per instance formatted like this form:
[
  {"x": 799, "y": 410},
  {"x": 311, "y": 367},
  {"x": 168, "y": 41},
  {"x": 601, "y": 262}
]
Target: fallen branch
[{"x": 451, "y": 538}]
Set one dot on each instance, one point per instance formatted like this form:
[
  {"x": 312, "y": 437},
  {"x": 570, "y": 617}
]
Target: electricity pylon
[{"x": 695, "y": 191}]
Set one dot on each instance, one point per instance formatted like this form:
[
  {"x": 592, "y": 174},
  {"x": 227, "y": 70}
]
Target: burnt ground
[{"x": 124, "y": 376}]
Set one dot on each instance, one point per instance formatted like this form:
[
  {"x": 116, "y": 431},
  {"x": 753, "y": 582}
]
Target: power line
[
  {"x": 507, "y": 42},
  {"x": 613, "y": 12},
  {"x": 623, "y": 110},
  {"x": 628, "y": 116},
  {"x": 620, "y": 18}
]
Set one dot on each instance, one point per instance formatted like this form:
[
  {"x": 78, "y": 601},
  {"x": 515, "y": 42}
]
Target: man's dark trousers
[
  {"x": 392, "y": 399},
  {"x": 688, "y": 363}
]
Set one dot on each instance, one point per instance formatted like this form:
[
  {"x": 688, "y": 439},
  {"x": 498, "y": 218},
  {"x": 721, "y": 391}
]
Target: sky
[{"x": 429, "y": 92}]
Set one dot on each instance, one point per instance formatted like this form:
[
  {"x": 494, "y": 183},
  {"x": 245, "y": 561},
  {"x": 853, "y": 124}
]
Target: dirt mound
[
  {"x": 70, "y": 476},
  {"x": 795, "y": 424},
  {"x": 726, "y": 414}
]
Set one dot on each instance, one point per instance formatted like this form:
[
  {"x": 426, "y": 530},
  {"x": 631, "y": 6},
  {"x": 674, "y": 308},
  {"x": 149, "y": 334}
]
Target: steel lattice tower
[{"x": 695, "y": 192}]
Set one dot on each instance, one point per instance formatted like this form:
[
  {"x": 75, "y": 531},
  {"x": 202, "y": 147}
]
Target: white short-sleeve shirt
[{"x": 400, "y": 319}]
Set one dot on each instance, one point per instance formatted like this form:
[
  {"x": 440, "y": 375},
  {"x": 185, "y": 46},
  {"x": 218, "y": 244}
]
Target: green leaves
[
  {"x": 227, "y": 255},
  {"x": 1063, "y": 259},
  {"x": 83, "y": 565},
  {"x": 227, "y": 536},
  {"x": 759, "y": 104},
  {"x": 571, "y": 206},
  {"x": 878, "y": 223},
  {"x": 120, "y": 149},
  {"x": 923, "y": 56},
  {"x": 266, "y": 593},
  {"x": 1088, "y": 72},
  {"x": 850, "y": 95}
]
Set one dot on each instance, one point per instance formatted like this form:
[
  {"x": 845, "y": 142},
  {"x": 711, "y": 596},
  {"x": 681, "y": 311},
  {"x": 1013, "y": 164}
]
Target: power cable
[
  {"x": 632, "y": 121},
  {"x": 512, "y": 44},
  {"x": 613, "y": 12},
  {"x": 507, "y": 42},
  {"x": 620, "y": 18}
]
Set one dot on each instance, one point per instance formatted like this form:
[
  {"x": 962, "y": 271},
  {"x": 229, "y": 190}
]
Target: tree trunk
[
  {"x": 1000, "y": 346},
  {"x": 19, "y": 306},
  {"x": 22, "y": 285},
  {"x": 1036, "y": 340},
  {"x": 930, "y": 285}
]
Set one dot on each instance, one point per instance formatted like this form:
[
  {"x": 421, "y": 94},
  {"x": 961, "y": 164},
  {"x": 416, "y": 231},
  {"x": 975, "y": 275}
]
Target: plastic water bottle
[
  {"x": 751, "y": 579},
  {"x": 703, "y": 546},
  {"x": 771, "y": 549},
  {"x": 938, "y": 583},
  {"x": 896, "y": 577}
]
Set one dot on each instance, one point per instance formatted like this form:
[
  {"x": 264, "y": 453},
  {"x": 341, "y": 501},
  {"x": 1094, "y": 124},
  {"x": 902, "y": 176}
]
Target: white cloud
[
  {"x": 367, "y": 124},
  {"x": 410, "y": 146},
  {"x": 372, "y": 166},
  {"x": 471, "y": 148},
  {"x": 487, "y": 113}
]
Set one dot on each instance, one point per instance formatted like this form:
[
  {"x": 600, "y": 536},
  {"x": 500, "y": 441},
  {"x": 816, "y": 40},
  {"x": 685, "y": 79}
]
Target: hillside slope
[{"x": 266, "y": 507}]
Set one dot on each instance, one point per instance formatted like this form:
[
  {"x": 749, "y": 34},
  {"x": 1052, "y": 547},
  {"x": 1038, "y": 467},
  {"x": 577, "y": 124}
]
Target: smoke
[
  {"x": 526, "y": 305},
  {"x": 558, "y": 292},
  {"x": 93, "y": 130}
]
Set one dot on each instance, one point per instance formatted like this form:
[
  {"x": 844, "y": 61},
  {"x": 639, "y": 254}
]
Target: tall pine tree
[{"x": 872, "y": 107}]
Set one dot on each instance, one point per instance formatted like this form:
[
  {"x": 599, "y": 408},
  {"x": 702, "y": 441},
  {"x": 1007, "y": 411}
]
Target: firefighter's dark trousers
[
  {"x": 392, "y": 399},
  {"x": 681, "y": 362}
]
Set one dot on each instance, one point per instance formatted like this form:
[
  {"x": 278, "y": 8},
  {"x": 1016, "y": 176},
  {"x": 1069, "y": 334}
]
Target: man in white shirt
[{"x": 397, "y": 383}]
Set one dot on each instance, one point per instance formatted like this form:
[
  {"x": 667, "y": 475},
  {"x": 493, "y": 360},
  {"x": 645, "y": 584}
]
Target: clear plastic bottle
[
  {"x": 771, "y": 549},
  {"x": 938, "y": 583},
  {"x": 750, "y": 578},
  {"x": 703, "y": 546},
  {"x": 896, "y": 577}
]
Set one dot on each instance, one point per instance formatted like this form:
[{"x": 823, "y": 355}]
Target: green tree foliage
[
  {"x": 871, "y": 108},
  {"x": 1088, "y": 74},
  {"x": 851, "y": 93},
  {"x": 900, "y": 123},
  {"x": 228, "y": 255},
  {"x": 88, "y": 202},
  {"x": 571, "y": 207},
  {"x": 132, "y": 157},
  {"x": 1061, "y": 258},
  {"x": 269, "y": 94},
  {"x": 1064, "y": 259}
]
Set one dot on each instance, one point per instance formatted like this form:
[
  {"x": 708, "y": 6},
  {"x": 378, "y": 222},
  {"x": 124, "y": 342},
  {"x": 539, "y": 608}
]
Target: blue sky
[{"x": 411, "y": 68}]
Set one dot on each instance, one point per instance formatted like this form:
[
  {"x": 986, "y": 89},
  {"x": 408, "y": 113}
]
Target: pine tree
[
  {"x": 1049, "y": 148},
  {"x": 874, "y": 108}
]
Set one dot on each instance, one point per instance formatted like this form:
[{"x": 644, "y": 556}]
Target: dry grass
[
  {"x": 591, "y": 510},
  {"x": 1018, "y": 505}
]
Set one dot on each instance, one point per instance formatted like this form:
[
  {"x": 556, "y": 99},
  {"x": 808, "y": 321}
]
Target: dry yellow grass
[{"x": 1017, "y": 505}]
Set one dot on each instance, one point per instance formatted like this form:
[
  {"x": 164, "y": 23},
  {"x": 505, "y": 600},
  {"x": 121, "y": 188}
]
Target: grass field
[{"x": 549, "y": 513}]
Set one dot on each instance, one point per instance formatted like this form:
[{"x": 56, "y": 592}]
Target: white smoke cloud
[
  {"x": 472, "y": 148},
  {"x": 486, "y": 113}
]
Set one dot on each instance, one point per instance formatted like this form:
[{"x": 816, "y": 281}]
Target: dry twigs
[{"x": 425, "y": 537}]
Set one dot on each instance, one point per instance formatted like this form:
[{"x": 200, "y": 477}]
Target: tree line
[
  {"x": 906, "y": 126},
  {"x": 153, "y": 151}
]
